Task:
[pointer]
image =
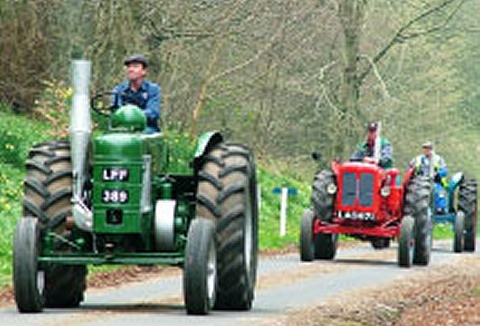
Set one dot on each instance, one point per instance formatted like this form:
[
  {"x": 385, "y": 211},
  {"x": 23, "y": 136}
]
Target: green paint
[
  {"x": 205, "y": 140},
  {"x": 129, "y": 118}
]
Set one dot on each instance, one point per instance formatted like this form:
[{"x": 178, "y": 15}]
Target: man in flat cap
[
  {"x": 366, "y": 151},
  {"x": 140, "y": 92},
  {"x": 430, "y": 164},
  {"x": 433, "y": 166}
]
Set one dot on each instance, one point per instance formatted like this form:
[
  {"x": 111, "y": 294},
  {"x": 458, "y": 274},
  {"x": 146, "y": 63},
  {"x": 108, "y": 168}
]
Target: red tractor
[{"x": 369, "y": 203}]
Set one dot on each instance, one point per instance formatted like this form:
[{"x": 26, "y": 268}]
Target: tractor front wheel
[
  {"x": 325, "y": 246},
  {"x": 28, "y": 279},
  {"x": 306, "y": 236},
  {"x": 406, "y": 242},
  {"x": 458, "y": 231},
  {"x": 200, "y": 269}
]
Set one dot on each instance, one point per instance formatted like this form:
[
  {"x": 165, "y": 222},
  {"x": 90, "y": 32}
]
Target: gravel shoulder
[{"x": 444, "y": 295}]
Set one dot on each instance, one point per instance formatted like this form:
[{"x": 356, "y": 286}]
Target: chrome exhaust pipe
[{"x": 80, "y": 133}]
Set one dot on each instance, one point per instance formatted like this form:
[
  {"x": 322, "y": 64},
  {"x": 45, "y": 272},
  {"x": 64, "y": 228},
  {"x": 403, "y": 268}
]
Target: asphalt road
[{"x": 284, "y": 283}]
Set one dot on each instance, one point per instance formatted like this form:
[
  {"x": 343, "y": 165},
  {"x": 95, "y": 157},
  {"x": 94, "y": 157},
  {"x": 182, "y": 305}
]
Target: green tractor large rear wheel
[
  {"x": 47, "y": 197},
  {"x": 227, "y": 194}
]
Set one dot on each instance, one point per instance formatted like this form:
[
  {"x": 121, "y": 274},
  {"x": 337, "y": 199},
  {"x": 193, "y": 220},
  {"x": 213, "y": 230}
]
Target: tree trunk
[{"x": 351, "y": 13}]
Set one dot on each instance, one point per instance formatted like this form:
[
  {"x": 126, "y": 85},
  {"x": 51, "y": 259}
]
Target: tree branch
[{"x": 400, "y": 35}]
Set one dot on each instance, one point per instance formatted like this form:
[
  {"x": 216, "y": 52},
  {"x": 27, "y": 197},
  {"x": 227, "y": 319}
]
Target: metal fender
[
  {"x": 455, "y": 181},
  {"x": 335, "y": 167},
  {"x": 407, "y": 177},
  {"x": 204, "y": 143}
]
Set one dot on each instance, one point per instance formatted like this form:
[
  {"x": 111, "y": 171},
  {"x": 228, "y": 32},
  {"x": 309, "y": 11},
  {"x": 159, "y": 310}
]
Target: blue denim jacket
[{"x": 147, "y": 98}]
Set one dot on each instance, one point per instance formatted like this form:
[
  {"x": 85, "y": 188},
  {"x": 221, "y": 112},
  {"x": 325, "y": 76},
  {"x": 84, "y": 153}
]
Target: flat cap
[
  {"x": 427, "y": 144},
  {"x": 136, "y": 58}
]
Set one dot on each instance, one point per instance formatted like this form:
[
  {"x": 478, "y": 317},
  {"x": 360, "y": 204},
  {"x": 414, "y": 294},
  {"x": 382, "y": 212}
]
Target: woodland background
[{"x": 286, "y": 77}]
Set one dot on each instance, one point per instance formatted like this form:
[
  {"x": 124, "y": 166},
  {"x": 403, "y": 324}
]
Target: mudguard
[
  {"x": 455, "y": 181},
  {"x": 204, "y": 143}
]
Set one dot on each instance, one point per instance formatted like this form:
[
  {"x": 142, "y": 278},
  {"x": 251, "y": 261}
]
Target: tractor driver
[
  {"x": 366, "y": 151},
  {"x": 430, "y": 164},
  {"x": 140, "y": 92}
]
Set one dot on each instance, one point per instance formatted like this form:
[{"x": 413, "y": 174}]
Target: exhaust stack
[{"x": 80, "y": 133}]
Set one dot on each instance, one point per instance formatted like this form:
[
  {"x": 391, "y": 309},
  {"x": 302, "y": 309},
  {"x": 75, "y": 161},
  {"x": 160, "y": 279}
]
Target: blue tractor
[{"x": 455, "y": 202}]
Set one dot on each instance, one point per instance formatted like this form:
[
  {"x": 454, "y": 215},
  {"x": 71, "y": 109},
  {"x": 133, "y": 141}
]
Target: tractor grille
[
  {"x": 349, "y": 187},
  {"x": 366, "y": 189},
  {"x": 357, "y": 189}
]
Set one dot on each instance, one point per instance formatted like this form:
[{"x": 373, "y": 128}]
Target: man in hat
[
  {"x": 430, "y": 164},
  {"x": 140, "y": 92},
  {"x": 365, "y": 151}
]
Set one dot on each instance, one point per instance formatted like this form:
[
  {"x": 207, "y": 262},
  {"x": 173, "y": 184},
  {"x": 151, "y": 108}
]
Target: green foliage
[
  {"x": 180, "y": 151},
  {"x": 17, "y": 135},
  {"x": 53, "y": 107},
  {"x": 269, "y": 234},
  {"x": 10, "y": 210}
]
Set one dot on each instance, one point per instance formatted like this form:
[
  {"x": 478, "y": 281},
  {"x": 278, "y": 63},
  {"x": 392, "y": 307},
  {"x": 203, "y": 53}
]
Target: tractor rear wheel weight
[
  {"x": 47, "y": 196},
  {"x": 458, "y": 232},
  {"x": 28, "y": 280},
  {"x": 406, "y": 242},
  {"x": 200, "y": 270},
  {"x": 322, "y": 201},
  {"x": 237, "y": 230},
  {"x": 306, "y": 236},
  {"x": 467, "y": 202}
]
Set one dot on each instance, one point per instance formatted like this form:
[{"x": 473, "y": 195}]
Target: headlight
[
  {"x": 385, "y": 191},
  {"x": 331, "y": 188}
]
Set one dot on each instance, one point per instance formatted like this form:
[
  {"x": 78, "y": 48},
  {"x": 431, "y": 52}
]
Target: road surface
[{"x": 284, "y": 283}]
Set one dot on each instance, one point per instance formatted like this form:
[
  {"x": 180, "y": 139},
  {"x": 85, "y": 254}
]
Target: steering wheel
[{"x": 102, "y": 104}]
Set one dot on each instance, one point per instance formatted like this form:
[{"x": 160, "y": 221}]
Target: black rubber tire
[
  {"x": 325, "y": 246},
  {"x": 209, "y": 184},
  {"x": 406, "y": 242},
  {"x": 322, "y": 201},
  {"x": 417, "y": 205},
  {"x": 47, "y": 196},
  {"x": 380, "y": 243},
  {"x": 26, "y": 274},
  {"x": 200, "y": 267},
  {"x": 467, "y": 202},
  {"x": 306, "y": 236},
  {"x": 237, "y": 230},
  {"x": 227, "y": 195},
  {"x": 458, "y": 232}
]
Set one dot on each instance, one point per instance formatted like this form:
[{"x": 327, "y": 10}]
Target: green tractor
[{"x": 112, "y": 199}]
